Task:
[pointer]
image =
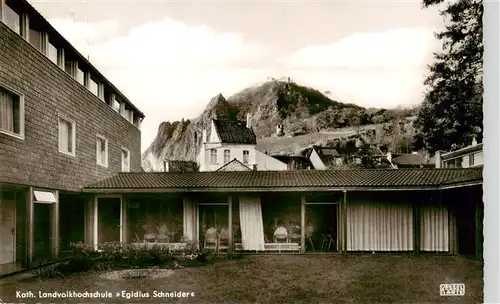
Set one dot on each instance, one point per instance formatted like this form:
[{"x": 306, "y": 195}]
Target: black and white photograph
[{"x": 242, "y": 151}]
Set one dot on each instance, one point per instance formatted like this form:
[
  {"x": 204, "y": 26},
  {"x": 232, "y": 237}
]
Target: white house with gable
[{"x": 234, "y": 142}]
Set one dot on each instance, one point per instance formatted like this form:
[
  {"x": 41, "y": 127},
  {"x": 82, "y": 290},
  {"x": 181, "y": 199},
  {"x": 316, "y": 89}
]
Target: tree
[{"x": 452, "y": 111}]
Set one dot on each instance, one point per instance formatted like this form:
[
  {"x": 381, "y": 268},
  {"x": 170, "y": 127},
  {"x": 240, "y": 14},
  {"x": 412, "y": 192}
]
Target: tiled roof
[
  {"x": 234, "y": 132},
  {"x": 473, "y": 174},
  {"x": 356, "y": 178}
]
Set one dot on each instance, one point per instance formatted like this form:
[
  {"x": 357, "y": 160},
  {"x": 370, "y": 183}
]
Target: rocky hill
[{"x": 299, "y": 109}]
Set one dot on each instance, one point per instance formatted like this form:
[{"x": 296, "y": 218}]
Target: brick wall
[{"x": 49, "y": 91}]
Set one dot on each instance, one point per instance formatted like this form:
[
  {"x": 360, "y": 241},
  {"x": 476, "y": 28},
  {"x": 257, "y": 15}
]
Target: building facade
[
  {"x": 380, "y": 210},
  {"x": 471, "y": 156},
  {"x": 62, "y": 125},
  {"x": 229, "y": 141}
]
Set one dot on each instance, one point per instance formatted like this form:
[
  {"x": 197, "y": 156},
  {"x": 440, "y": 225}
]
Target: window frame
[
  {"x": 213, "y": 156},
  {"x": 78, "y": 69},
  {"x": 247, "y": 160},
  {"x": 227, "y": 156},
  {"x": 73, "y": 135},
  {"x": 128, "y": 156},
  {"x": 20, "y": 99},
  {"x": 106, "y": 150},
  {"x": 3, "y": 14},
  {"x": 97, "y": 84},
  {"x": 49, "y": 45}
]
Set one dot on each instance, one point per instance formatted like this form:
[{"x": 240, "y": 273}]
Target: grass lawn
[{"x": 286, "y": 279}]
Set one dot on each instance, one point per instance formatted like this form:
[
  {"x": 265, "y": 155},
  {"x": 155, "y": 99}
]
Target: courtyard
[{"x": 312, "y": 278}]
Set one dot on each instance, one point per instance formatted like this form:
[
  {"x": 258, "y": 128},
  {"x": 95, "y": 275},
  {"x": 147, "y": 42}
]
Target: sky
[{"x": 171, "y": 57}]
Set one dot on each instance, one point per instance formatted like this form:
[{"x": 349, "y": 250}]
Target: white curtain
[
  {"x": 379, "y": 226},
  {"x": 434, "y": 233},
  {"x": 189, "y": 218},
  {"x": 252, "y": 226},
  {"x": 6, "y": 111}
]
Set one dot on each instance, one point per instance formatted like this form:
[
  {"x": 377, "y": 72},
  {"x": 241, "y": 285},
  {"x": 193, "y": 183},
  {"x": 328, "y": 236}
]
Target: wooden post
[
  {"x": 123, "y": 220},
  {"x": 479, "y": 229},
  {"x": 303, "y": 223},
  {"x": 452, "y": 230},
  {"x": 344, "y": 223},
  {"x": 55, "y": 227},
  {"x": 416, "y": 226},
  {"x": 30, "y": 209},
  {"x": 95, "y": 226},
  {"x": 230, "y": 223}
]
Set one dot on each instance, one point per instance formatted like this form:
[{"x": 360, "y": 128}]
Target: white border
[{"x": 491, "y": 141}]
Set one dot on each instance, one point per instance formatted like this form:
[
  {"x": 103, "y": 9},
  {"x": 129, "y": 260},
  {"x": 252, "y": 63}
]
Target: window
[
  {"x": 52, "y": 53},
  {"x": 11, "y": 113},
  {"x": 102, "y": 151},
  {"x": 137, "y": 122},
  {"x": 69, "y": 67},
  {"x": 80, "y": 76},
  {"x": 94, "y": 86},
  {"x": 213, "y": 156},
  {"x": 67, "y": 139},
  {"x": 125, "y": 160},
  {"x": 12, "y": 19},
  {"x": 478, "y": 159},
  {"x": 471, "y": 160},
  {"x": 116, "y": 105},
  {"x": 35, "y": 38},
  {"x": 227, "y": 156},
  {"x": 246, "y": 154}
]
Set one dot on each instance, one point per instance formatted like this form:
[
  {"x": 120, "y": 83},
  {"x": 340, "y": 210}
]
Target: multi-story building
[
  {"x": 62, "y": 125},
  {"x": 230, "y": 146},
  {"x": 470, "y": 156}
]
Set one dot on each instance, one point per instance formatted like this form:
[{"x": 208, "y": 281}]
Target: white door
[{"x": 7, "y": 231}]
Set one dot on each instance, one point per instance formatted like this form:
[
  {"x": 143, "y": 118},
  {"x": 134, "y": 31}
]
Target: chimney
[
  {"x": 437, "y": 157},
  {"x": 254, "y": 167},
  {"x": 474, "y": 141},
  {"x": 249, "y": 125},
  {"x": 165, "y": 166}
]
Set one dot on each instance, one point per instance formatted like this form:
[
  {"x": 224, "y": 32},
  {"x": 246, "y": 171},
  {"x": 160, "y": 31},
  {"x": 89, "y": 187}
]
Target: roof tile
[
  {"x": 234, "y": 132},
  {"x": 356, "y": 178}
]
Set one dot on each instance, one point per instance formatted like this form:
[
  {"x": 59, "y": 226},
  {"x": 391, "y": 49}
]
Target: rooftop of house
[
  {"x": 297, "y": 180},
  {"x": 234, "y": 162},
  {"x": 234, "y": 132},
  {"x": 469, "y": 149}
]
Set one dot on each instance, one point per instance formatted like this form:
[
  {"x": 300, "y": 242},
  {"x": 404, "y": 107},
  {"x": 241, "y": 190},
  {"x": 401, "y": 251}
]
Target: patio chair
[
  {"x": 309, "y": 240},
  {"x": 211, "y": 239},
  {"x": 223, "y": 239},
  {"x": 327, "y": 243}
]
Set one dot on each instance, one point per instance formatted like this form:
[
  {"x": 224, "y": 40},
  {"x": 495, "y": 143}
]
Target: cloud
[
  {"x": 80, "y": 32},
  {"x": 168, "y": 69},
  {"x": 382, "y": 69},
  {"x": 393, "y": 49}
]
